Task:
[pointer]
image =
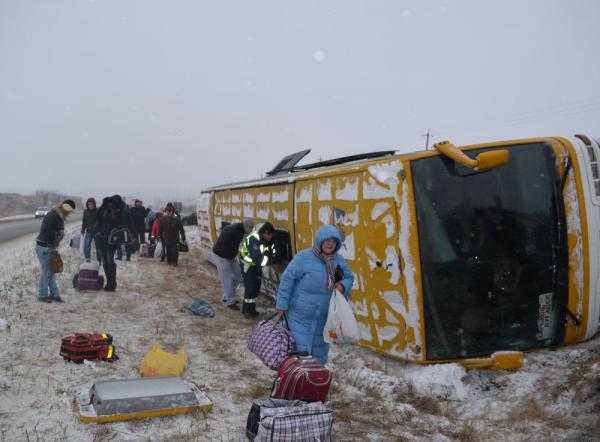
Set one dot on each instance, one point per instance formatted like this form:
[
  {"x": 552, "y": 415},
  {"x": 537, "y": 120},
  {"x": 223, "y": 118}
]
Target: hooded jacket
[
  {"x": 229, "y": 240},
  {"x": 90, "y": 217},
  {"x": 303, "y": 293},
  {"x": 113, "y": 214},
  {"x": 171, "y": 229},
  {"x": 138, "y": 217}
]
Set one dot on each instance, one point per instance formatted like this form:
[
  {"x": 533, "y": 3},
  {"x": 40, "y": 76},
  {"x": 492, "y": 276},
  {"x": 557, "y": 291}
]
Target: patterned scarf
[{"x": 329, "y": 265}]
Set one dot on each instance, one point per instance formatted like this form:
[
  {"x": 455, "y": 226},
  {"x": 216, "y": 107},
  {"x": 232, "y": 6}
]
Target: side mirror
[
  {"x": 484, "y": 161},
  {"x": 491, "y": 159}
]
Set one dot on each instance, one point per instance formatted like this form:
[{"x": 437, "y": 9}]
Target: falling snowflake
[
  {"x": 319, "y": 56},
  {"x": 406, "y": 13}
]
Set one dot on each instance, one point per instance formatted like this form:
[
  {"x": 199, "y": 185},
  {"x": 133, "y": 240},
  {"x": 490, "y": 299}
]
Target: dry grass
[
  {"x": 251, "y": 392},
  {"x": 103, "y": 434},
  {"x": 468, "y": 433},
  {"x": 426, "y": 405}
]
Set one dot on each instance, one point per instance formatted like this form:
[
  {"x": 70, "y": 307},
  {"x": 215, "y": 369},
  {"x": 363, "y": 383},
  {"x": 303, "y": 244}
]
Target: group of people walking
[
  {"x": 242, "y": 250},
  {"x": 112, "y": 228}
]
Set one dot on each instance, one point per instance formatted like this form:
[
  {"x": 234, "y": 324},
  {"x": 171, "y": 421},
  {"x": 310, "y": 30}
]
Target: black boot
[
  {"x": 249, "y": 309},
  {"x": 110, "y": 271}
]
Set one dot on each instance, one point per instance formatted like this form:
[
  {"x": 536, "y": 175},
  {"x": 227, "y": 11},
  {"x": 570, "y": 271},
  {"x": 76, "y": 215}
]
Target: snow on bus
[{"x": 457, "y": 252}]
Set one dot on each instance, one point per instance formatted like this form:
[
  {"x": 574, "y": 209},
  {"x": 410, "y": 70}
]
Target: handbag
[
  {"x": 55, "y": 262},
  {"x": 271, "y": 342},
  {"x": 302, "y": 423},
  {"x": 183, "y": 247}
]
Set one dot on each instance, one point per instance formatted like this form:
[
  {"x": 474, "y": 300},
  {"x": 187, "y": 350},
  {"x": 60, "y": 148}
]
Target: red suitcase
[
  {"x": 88, "y": 346},
  {"x": 302, "y": 377}
]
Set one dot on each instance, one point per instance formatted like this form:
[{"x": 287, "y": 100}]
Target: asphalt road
[{"x": 14, "y": 229}]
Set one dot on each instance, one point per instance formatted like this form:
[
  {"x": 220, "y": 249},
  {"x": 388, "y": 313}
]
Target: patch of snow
[
  {"x": 248, "y": 211},
  {"x": 281, "y": 215},
  {"x": 348, "y": 249},
  {"x": 325, "y": 214},
  {"x": 305, "y": 195},
  {"x": 390, "y": 225},
  {"x": 378, "y": 210},
  {"x": 324, "y": 190},
  {"x": 349, "y": 192},
  {"x": 412, "y": 317},
  {"x": 443, "y": 381},
  {"x": 263, "y": 198},
  {"x": 280, "y": 197}
]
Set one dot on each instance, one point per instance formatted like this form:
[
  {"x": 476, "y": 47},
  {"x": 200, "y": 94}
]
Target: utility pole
[{"x": 427, "y": 135}]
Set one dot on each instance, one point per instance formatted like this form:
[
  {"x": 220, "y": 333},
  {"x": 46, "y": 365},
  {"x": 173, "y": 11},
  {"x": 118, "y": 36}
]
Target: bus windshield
[{"x": 493, "y": 253}]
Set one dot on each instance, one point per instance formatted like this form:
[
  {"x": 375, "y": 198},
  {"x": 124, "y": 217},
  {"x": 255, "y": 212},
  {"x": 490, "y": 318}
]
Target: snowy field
[{"x": 556, "y": 396}]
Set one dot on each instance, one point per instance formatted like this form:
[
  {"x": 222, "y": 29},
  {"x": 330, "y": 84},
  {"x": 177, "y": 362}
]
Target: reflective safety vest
[{"x": 265, "y": 251}]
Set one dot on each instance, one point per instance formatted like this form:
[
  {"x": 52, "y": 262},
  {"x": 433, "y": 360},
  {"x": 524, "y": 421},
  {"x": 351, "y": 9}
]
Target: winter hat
[
  {"x": 68, "y": 206},
  {"x": 248, "y": 225},
  {"x": 266, "y": 228}
]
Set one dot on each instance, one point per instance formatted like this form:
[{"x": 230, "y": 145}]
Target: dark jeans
[
  {"x": 88, "y": 239},
  {"x": 139, "y": 234},
  {"x": 119, "y": 250},
  {"x": 110, "y": 268},
  {"x": 172, "y": 253},
  {"x": 252, "y": 282}
]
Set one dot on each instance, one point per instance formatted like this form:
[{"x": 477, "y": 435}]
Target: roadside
[
  {"x": 14, "y": 229},
  {"x": 15, "y": 218},
  {"x": 553, "y": 397}
]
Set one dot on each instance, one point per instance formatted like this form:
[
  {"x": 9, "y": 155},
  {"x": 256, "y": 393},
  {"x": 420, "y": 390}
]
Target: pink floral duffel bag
[{"x": 271, "y": 342}]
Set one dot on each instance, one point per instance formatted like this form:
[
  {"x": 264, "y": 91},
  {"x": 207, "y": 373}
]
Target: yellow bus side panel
[{"x": 367, "y": 207}]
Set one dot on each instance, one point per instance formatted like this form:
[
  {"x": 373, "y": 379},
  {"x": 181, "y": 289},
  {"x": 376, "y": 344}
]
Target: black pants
[
  {"x": 139, "y": 234},
  {"x": 252, "y": 281},
  {"x": 172, "y": 253},
  {"x": 119, "y": 250},
  {"x": 110, "y": 268}
]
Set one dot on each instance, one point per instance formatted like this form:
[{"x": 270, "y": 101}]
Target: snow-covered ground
[{"x": 556, "y": 396}]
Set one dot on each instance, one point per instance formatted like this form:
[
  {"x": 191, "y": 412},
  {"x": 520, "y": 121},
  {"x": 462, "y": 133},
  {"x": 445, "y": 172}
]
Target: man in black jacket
[
  {"x": 88, "y": 229},
  {"x": 171, "y": 233},
  {"x": 138, "y": 215},
  {"x": 52, "y": 232},
  {"x": 226, "y": 249},
  {"x": 113, "y": 216}
]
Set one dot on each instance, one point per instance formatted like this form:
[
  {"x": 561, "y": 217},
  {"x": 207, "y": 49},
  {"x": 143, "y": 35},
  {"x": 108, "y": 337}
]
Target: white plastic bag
[
  {"x": 82, "y": 244},
  {"x": 159, "y": 248},
  {"x": 341, "y": 326}
]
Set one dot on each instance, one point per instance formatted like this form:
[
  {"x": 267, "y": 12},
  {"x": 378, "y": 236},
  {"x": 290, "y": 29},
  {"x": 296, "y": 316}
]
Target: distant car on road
[{"x": 41, "y": 212}]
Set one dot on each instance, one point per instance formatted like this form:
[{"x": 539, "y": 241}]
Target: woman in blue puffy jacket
[{"x": 306, "y": 287}]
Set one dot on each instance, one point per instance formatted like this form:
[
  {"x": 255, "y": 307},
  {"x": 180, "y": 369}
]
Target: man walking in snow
[{"x": 226, "y": 249}]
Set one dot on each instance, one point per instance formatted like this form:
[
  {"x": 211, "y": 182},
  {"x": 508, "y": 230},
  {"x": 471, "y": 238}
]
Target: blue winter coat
[{"x": 303, "y": 293}]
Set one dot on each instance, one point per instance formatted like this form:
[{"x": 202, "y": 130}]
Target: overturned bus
[{"x": 457, "y": 252}]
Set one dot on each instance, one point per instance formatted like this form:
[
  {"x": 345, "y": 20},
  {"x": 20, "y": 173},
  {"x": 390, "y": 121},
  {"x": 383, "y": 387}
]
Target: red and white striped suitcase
[
  {"x": 302, "y": 377},
  {"x": 88, "y": 279}
]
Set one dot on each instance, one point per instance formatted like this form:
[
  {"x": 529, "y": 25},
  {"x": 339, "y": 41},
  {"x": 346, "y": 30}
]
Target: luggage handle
[{"x": 284, "y": 319}]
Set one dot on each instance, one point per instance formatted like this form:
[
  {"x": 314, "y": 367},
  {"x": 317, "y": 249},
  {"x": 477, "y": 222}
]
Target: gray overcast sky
[{"x": 165, "y": 97}]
